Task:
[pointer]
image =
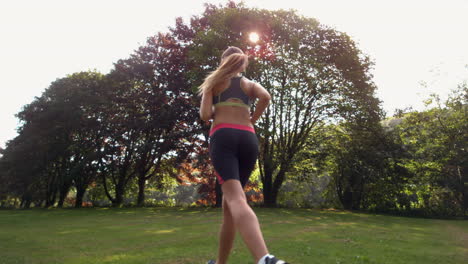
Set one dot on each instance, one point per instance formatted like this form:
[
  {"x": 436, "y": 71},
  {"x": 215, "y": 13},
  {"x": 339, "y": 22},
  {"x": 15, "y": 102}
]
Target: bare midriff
[{"x": 232, "y": 115}]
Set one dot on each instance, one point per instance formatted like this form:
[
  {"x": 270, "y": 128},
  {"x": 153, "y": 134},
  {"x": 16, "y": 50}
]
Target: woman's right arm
[
  {"x": 206, "y": 107},
  {"x": 263, "y": 101}
]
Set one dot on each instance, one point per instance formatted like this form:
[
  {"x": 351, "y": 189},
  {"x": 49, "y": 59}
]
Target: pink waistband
[{"x": 228, "y": 125}]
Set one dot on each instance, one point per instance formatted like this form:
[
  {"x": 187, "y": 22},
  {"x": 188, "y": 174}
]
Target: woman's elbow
[
  {"x": 266, "y": 98},
  {"x": 202, "y": 116},
  {"x": 205, "y": 116}
]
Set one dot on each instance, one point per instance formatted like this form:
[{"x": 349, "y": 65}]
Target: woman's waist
[
  {"x": 239, "y": 126},
  {"x": 237, "y": 118}
]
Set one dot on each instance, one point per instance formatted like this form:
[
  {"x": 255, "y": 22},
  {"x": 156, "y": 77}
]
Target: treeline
[
  {"x": 138, "y": 127},
  {"x": 414, "y": 163}
]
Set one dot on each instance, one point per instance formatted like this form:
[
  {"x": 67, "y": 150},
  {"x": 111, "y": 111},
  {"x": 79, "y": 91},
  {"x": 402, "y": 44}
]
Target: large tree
[
  {"x": 152, "y": 114},
  {"x": 55, "y": 147},
  {"x": 314, "y": 74},
  {"x": 437, "y": 139},
  {"x": 364, "y": 164},
  {"x": 17, "y": 179}
]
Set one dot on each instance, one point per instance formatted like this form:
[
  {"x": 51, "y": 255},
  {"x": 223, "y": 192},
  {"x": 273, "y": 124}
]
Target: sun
[{"x": 254, "y": 37}]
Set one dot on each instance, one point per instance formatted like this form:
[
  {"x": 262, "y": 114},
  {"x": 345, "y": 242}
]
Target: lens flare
[{"x": 254, "y": 37}]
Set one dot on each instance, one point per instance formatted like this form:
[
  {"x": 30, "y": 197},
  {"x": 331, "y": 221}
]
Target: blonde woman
[{"x": 233, "y": 148}]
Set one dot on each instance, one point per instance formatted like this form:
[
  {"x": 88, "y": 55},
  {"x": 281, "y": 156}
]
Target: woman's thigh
[
  {"x": 224, "y": 156},
  {"x": 248, "y": 154},
  {"x": 232, "y": 191}
]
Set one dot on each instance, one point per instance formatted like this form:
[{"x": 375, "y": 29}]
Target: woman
[{"x": 226, "y": 98}]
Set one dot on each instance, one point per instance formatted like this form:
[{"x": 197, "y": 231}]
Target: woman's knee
[
  {"x": 238, "y": 207},
  {"x": 235, "y": 203},
  {"x": 232, "y": 190}
]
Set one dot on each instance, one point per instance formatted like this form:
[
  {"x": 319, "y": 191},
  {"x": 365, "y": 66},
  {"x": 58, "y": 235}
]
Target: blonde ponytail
[{"x": 231, "y": 65}]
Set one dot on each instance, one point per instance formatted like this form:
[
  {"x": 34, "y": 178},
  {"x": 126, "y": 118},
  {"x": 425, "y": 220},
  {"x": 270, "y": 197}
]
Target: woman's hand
[{"x": 252, "y": 120}]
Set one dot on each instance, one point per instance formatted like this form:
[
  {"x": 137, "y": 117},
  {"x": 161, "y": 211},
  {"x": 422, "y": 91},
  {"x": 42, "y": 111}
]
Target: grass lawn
[{"x": 176, "y": 235}]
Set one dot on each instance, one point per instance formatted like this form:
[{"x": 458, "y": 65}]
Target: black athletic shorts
[{"x": 233, "y": 151}]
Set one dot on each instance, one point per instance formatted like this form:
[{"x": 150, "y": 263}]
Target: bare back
[{"x": 235, "y": 114}]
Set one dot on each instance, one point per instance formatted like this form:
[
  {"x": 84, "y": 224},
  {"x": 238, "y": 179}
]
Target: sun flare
[{"x": 254, "y": 37}]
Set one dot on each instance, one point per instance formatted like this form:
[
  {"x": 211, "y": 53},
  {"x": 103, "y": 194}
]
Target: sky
[{"x": 419, "y": 46}]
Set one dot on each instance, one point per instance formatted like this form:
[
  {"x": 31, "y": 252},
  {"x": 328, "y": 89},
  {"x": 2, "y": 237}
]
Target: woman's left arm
[{"x": 206, "y": 107}]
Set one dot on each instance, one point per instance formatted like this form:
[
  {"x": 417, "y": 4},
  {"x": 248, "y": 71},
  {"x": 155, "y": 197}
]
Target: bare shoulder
[
  {"x": 248, "y": 86},
  {"x": 255, "y": 89}
]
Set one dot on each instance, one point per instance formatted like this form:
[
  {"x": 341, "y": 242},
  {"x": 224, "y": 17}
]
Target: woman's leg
[
  {"x": 226, "y": 235},
  {"x": 244, "y": 218}
]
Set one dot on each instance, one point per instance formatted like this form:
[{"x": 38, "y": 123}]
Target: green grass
[{"x": 175, "y": 235}]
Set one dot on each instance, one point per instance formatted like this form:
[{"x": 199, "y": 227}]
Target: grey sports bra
[{"x": 234, "y": 91}]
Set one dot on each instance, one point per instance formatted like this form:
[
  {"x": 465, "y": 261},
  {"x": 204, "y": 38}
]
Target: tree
[
  {"x": 365, "y": 166},
  {"x": 86, "y": 101},
  {"x": 157, "y": 110},
  {"x": 59, "y": 128},
  {"x": 313, "y": 72},
  {"x": 437, "y": 140},
  {"x": 17, "y": 179}
]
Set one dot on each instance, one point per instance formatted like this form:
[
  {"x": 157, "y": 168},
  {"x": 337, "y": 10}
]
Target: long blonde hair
[{"x": 233, "y": 61}]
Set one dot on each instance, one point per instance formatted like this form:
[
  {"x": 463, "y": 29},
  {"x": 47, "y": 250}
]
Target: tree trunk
[
  {"x": 119, "y": 194},
  {"x": 47, "y": 202},
  {"x": 106, "y": 191},
  {"x": 80, "y": 191},
  {"x": 268, "y": 199},
  {"x": 51, "y": 198},
  {"x": 141, "y": 191},
  {"x": 61, "y": 200},
  {"x": 62, "y": 195},
  {"x": 347, "y": 200},
  {"x": 271, "y": 199},
  {"x": 271, "y": 188},
  {"x": 26, "y": 201},
  {"x": 27, "y": 204},
  {"x": 219, "y": 194},
  {"x": 464, "y": 183},
  {"x": 40, "y": 203}
]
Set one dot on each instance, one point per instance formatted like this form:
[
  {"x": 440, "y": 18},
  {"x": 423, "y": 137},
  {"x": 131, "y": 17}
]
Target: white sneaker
[{"x": 273, "y": 260}]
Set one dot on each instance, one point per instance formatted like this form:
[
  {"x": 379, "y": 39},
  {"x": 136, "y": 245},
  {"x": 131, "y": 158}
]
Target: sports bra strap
[{"x": 233, "y": 91}]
